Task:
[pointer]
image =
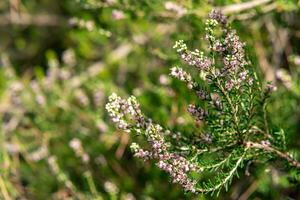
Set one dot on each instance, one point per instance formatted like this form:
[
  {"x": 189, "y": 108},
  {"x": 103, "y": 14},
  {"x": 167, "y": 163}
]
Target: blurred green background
[{"x": 60, "y": 60}]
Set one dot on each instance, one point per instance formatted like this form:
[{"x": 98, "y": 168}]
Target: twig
[
  {"x": 265, "y": 117},
  {"x": 227, "y": 178},
  {"x": 282, "y": 155},
  {"x": 243, "y": 6},
  {"x": 4, "y": 189},
  {"x": 249, "y": 191},
  {"x": 251, "y": 13},
  {"x": 121, "y": 148},
  {"x": 24, "y": 19},
  {"x": 264, "y": 64},
  {"x": 233, "y": 110},
  {"x": 217, "y": 165},
  {"x": 212, "y": 150}
]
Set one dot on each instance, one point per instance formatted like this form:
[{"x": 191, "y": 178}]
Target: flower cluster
[
  {"x": 177, "y": 166},
  {"x": 118, "y": 108},
  {"x": 218, "y": 16},
  {"x": 198, "y": 113},
  {"x": 193, "y": 58},
  {"x": 182, "y": 75},
  {"x": 231, "y": 50},
  {"x": 236, "y": 56}
]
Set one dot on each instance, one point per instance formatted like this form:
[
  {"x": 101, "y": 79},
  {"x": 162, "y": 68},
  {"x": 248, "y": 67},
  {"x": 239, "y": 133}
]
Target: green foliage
[{"x": 48, "y": 134}]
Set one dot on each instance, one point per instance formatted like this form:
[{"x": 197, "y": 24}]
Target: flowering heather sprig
[
  {"x": 172, "y": 163},
  {"x": 118, "y": 108},
  {"x": 218, "y": 16},
  {"x": 235, "y": 59},
  {"x": 231, "y": 51},
  {"x": 233, "y": 111},
  {"x": 182, "y": 75},
  {"x": 177, "y": 166},
  {"x": 192, "y": 58}
]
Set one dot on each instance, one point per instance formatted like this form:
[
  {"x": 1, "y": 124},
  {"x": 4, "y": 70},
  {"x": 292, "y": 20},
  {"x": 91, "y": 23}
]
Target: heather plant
[
  {"x": 55, "y": 140},
  {"x": 230, "y": 114}
]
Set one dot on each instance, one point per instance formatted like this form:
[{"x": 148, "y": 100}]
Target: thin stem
[
  {"x": 228, "y": 177},
  {"x": 4, "y": 189},
  {"x": 265, "y": 118},
  {"x": 212, "y": 150},
  {"x": 233, "y": 110},
  {"x": 280, "y": 154},
  {"x": 24, "y": 19},
  {"x": 217, "y": 165},
  {"x": 255, "y": 129},
  {"x": 92, "y": 185},
  {"x": 243, "y": 6}
]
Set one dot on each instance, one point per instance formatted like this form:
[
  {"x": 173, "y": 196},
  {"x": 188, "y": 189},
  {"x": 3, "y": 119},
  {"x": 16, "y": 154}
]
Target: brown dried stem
[{"x": 280, "y": 154}]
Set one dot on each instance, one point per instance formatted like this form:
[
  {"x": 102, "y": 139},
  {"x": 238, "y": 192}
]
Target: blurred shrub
[{"x": 60, "y": 60}]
